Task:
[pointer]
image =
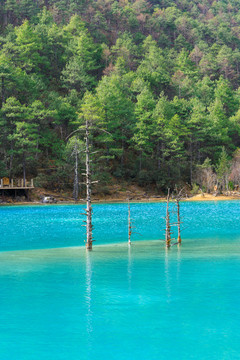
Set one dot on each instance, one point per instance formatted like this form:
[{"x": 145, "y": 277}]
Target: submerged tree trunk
[
  {"x": 89, "y": 226},
  {"x": 168, "y": 229}
]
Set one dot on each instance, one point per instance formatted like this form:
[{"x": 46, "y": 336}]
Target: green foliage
[
  {"x": 195, "y": 189},
  {"x": 157, "y": 81},
  {"x": 223, "y": 164},
  {"x": 222, "y": 169}
]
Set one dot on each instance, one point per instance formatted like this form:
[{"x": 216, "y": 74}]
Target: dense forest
[{"x": 158, "y": 79}]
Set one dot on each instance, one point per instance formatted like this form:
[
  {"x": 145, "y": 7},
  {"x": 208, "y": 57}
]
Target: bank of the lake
[{"x": 132, "y": 199}]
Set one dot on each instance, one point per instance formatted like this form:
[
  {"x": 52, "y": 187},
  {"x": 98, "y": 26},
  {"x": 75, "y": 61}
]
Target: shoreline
[{"x": 151, "y": 199}]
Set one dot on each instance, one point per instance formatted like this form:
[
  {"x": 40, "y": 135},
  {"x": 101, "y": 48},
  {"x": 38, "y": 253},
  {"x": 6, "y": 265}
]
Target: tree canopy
[{"x": 163, "y": 78}]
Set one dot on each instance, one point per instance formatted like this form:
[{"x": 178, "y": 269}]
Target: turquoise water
[{"x": 59, "y": 302}]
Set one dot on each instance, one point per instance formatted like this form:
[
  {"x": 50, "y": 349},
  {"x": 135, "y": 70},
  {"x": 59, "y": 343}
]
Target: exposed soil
[
  {"x": 115, "y": 193},
  {"x": 209, "y": 197}
]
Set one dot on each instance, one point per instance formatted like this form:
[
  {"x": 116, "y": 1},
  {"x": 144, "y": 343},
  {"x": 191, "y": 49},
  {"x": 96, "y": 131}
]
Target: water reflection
[
  {"x": 167, "y": 276},
  {"x": 129, "y": 268},
  {"x": 88, "y": 298},
  {"x": 178, "y": 260}
]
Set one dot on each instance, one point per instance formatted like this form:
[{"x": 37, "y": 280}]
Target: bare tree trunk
[
  {"x": 89, "y": 191},
  {"x": 168, "y": 229}
]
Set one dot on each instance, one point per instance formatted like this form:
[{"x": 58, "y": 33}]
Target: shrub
[{"x": 195, "y": 189}]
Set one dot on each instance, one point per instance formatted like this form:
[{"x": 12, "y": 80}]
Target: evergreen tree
[{"x": 222, "y": 170}]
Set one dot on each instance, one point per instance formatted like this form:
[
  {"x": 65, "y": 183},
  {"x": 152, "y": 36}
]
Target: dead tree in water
[
  {"x": 130, "y": 226},
  {"x": 88, "y": 183},
  {"x": 91, "y": 111},
  {"x": 89, "y": 226},
  {"x": 168, "y": 226}
]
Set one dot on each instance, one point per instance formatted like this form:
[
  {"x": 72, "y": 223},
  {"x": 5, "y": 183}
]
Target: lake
[{"x": 60, "y": 302}]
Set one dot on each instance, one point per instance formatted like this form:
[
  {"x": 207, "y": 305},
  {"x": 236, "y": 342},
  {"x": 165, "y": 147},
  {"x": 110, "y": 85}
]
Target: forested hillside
[{"x": 160, "y": 78}]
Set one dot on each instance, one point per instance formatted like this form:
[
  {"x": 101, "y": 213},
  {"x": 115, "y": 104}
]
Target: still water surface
[{"x": 58, "y": 302}]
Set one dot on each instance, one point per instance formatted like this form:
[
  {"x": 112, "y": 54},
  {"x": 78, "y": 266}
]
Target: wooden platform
[
  {"x": 16, "y": 187},
  {"x": 15, "y": 184}
]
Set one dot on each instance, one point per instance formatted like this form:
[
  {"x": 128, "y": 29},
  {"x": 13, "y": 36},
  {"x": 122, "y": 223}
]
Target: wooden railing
[{"x": 6, "y": 183}]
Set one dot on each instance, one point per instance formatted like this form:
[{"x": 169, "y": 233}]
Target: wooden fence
[{"x": 6, "y": 183}]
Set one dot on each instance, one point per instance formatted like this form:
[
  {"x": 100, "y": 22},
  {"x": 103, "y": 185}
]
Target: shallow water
[
  {"x": 59, "y": 302},
  {"x": 51, "y": 226}
]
